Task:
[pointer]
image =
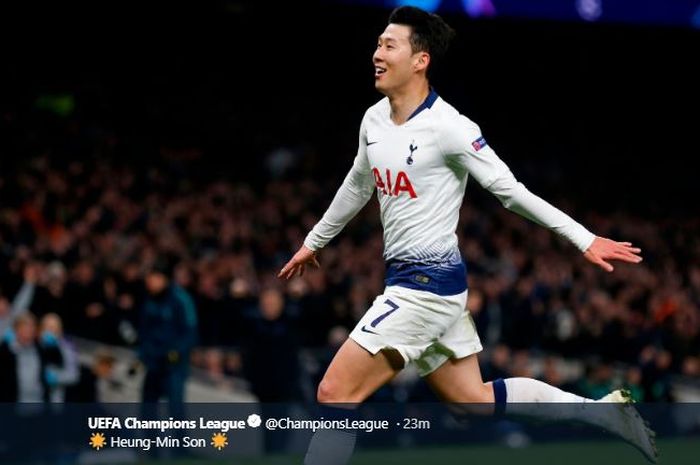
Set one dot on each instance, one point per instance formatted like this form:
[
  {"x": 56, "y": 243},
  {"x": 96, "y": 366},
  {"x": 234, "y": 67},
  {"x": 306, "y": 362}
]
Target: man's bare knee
[
  {"x": 354, "y": 374},
  {"x": 325, "y": 392},
  {"x": 332, "y": 392},
  {"x": 476, "y": 401}
]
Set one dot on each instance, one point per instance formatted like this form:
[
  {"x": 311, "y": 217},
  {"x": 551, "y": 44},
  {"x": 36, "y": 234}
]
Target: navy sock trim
[{"x": 501, "y": 395}]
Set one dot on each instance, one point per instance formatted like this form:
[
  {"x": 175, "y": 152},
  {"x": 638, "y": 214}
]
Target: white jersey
[{"x": 419, "y": 170}]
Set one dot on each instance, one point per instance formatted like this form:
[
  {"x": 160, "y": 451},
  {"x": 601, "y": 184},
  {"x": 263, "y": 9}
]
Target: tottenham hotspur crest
[{"x": 412, "y": 148}]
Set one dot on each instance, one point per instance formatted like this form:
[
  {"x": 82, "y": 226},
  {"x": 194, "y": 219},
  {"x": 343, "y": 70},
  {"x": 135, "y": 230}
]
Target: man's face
[
  {"x": 25, "y": 333},
  {"x": 394, "y": 61},
  {"x": 51, "y": 324},
  {"x": 156, "y": 282},
  {"x": 271, "y": 304}
]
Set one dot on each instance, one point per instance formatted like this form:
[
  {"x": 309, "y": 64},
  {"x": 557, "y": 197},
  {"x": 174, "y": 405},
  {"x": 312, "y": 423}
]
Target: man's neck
[{"x": 404, "y": 102}]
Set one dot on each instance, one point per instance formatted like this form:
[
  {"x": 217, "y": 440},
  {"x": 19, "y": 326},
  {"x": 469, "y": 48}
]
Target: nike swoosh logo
[
  {"x": 372, "y": 143},
  {"x": 364, "y": 328}
]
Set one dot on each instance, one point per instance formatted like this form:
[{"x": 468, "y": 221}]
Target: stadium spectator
[
  {"x": 167, "y": 333},
  {"x": 271, "y": 361},
  {"x": 68, "y": 372},
  {"x": 26, "y": 364}
]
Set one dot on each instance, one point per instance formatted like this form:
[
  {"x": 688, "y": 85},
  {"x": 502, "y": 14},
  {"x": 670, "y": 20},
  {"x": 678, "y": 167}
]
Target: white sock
[
  {"x": 527, "y": 397},
  {"x": 330, "y": 447},
  {"x": 528, "y": 390}
]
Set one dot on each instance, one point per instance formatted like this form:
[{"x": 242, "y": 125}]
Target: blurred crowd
[{"x": 80, "y": 234}]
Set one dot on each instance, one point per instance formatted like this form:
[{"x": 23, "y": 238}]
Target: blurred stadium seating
[{"x": 112, "y": 159}]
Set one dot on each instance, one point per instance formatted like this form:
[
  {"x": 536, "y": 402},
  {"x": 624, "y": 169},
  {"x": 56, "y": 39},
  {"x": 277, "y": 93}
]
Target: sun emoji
[
  {"x": 97, "y": 440},
  {"x": 219, "y": 440}
]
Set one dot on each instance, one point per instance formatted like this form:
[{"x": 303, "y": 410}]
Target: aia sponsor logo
[{"x": 393, "y": 186}]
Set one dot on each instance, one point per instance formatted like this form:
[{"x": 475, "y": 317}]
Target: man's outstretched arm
[
  {"x": 598, "y": 250},
  {"x": 463, "y": 140}
]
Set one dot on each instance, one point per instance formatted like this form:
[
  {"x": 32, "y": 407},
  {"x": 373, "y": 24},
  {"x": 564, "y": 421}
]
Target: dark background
[{"x": 612, "y": 109}]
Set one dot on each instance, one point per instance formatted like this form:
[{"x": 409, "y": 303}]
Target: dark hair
[
  {"x": 164, "y": 264},
  {"x": 429, "y": 32}
]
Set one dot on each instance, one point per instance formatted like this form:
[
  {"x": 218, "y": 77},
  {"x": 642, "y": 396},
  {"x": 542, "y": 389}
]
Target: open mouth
[{"x": 378, "y": 71}]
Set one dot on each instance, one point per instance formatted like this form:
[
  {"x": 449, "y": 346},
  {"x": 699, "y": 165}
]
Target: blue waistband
[{"x": 438, "y": 278}]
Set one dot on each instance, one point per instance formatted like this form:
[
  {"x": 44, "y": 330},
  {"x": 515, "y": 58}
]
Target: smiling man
[{"x": 417, "y": 152}]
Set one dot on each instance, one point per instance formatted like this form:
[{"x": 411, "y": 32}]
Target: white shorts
[{"x": 425, "y": 328}]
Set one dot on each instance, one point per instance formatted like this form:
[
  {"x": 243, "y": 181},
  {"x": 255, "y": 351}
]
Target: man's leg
[
  {"x": 353, "y": 376},
  {"x": 176, "y": 379},
  {"x": 458, "y": 381},
  {"x": 175, "y": 389},
  {"x": 152, "y": 385}
]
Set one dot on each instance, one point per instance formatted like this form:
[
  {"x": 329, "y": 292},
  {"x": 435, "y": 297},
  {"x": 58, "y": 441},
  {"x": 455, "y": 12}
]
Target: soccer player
[{"x": 416, "y": 151}]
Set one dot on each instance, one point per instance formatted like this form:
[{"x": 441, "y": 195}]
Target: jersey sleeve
[
  {"x": 352, "y": 195},
  {"x": 464, "y": 145}
]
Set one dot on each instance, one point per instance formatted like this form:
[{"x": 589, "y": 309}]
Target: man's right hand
[
  {"x": 31, "y": 273},
  {"x": 603, "y": 249},
  {"x": 297, "y": 264}
]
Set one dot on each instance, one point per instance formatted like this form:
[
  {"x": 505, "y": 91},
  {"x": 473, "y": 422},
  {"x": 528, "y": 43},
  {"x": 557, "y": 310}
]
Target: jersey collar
[{"x": 427, "y": 103}]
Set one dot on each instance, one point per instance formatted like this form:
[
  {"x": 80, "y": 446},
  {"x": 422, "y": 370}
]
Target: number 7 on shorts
[{"x": 381, "y": 317}]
